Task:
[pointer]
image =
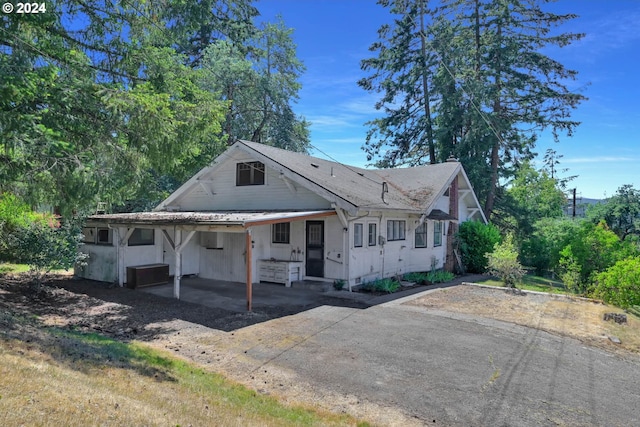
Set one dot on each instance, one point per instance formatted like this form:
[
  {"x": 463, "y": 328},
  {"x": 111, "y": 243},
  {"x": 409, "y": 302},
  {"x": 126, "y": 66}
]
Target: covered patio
[
  {"x": 178, "y": 230},
  {"x": 232, "y": 295}
]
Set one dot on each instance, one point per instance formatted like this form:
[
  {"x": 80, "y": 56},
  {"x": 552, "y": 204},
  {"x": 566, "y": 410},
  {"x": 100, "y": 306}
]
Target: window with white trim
[
  {"x": 141, "y": 237},
  {"x": 105, "y": 236},
  {"x": 373, "y": 235},
  {"x": 357, "y": 235},
  {"x": 437, "y": 233},
  {"x": 395, "y": 229},
  {"x": 249, "y": 173},
  {"x": 281, "y": 232},
  {"x": 421, "y": 235}
]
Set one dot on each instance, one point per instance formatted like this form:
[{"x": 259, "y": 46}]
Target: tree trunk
[{"x": 425, "y": 89}]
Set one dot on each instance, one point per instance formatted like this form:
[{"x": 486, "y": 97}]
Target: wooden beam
[
  {"x": 206, "y": 189},
  {"x": 291, "y": 219},
  {"x": 123, "y": 237},
  {"x": 179, "y": 247},
  {"x": 169, "y": 239},
  {"x": 249, "y": 279}
]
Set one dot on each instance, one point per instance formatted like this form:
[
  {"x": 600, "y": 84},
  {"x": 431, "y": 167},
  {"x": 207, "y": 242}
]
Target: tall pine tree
[{"x": 492, "y": 91}]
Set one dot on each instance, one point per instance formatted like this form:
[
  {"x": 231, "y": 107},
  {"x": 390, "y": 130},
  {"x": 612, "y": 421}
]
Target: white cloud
[
  {"x": 612, "y": 31},
  {"x": 599, "y": 159}
]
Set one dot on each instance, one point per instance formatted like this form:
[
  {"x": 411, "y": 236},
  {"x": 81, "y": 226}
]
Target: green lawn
[
  {"x": 532, "y": 283},
  {"x": 6, "y": 267}
]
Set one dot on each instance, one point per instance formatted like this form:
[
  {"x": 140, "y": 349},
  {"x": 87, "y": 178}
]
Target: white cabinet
[{"x": 279, "y": 271}]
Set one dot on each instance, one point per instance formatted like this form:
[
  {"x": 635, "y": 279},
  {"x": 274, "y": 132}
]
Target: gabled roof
[
  {"x": 414, "y": 189},
  {"x": 411, "y": 189}
]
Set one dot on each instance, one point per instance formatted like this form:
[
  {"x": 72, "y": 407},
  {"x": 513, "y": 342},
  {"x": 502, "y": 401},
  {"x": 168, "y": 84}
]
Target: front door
[{"x": 315, "y": 249}]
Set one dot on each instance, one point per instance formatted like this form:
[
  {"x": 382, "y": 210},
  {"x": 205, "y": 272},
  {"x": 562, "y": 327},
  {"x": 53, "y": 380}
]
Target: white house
[{"x": 259, "y": 213}]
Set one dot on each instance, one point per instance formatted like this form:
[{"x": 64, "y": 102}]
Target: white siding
[
  {"x": 392, "y": 258},
  {"x": 274, "y": 194},
  {"x": 190, "y": 253},
  {"x": 443, "y": 204},
  {"x": 102, "y": 263},
  {"x": 334, "y": 257},
  {"x": 228, "y": 263}
]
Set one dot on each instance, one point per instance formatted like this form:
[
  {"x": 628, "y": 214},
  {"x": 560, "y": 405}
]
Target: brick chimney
[{"x": 450, "y": 262}]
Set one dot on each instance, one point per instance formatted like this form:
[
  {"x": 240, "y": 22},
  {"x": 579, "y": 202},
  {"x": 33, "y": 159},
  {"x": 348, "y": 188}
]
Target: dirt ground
[
  {"x": 202, "y": 334},
  {"x": 579, "y": 318}
]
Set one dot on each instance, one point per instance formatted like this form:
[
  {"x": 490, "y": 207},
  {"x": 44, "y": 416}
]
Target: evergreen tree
[{"x": 492, "y": 89}]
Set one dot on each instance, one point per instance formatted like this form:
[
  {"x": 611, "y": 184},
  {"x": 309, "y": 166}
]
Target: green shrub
[
  {"x": 46, "y": 247},
  {"x": 541, "y": 250},
  {"x": 620, "y": 284},
  {"x": 475, "y": 240},
  {"x": 382, "y": 285},
  {"x": 503, "y": 263},
  {"x": 440, "y": 276},
  {"x": 570, "y": 269},
  {"x": 417, "y": 277},
  {"x": 338, "y": 284},
  {"x": 592, "y": 249},
  {"x": 15, "y": 215}
]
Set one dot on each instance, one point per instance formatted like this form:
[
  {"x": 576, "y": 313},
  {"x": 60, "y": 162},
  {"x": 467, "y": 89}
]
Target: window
[
  {"x": 437, "y": 233},
  {"x": 373, "y": 235},
  {"x": 141, "y": 237},
  {"x": 250, "y": 173},
  {"x": 281, "y": 232},
  {"x": 105, "y": 236},
  {"x": 421, "y": 235},
  {"x": 395, "y": 229},
  {"x": 357, "y": 235}
]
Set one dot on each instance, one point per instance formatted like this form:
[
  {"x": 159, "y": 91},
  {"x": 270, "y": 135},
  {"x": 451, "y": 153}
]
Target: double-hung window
[
  {"x": 373, "y": 235},
  {"x": 421, "y": 235},
  {"x": 395, "y": 229},
  {"x": 281, "y": 232},
  {"x": 437, "y": 233},
  {"x": 357, "y": 235}
]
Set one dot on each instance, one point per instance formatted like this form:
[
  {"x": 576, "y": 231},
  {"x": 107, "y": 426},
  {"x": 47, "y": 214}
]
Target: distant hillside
[{"x": 582, "y": 203}]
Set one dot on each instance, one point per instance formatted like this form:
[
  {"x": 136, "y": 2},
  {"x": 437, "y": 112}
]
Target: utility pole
[{"x": 574, "y": 203}]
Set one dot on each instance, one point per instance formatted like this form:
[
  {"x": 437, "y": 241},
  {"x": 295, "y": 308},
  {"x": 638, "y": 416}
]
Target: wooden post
[
  {"x": 177, "y": 270},
  {"x": 123, "y": 237},
  {"x": 249, "y": 279}
]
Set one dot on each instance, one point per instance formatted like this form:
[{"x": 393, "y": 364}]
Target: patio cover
[
  {"x": 201, "y": 221},
  {"x": 205, "y": 221}
]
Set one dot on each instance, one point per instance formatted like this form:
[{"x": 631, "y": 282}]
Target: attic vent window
[
  {"x": 315, "y": 165},
  {"x": 249, "y": 173}
]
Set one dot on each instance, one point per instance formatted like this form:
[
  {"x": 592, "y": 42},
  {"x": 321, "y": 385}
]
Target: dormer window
[{"x": 249, "y": 173}]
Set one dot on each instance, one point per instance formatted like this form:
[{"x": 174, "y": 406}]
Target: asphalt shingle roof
[{"x": 413, "y": 189}]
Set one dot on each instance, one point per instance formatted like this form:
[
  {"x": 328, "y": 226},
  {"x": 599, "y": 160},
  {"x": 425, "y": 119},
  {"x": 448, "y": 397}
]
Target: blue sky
[{"x": 334, "y": 35}]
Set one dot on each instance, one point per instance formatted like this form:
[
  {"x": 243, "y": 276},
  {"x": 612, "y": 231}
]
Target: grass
[
  {"x": 532, "y": 283},
  {"x": 65, "y": 377},
  {"x": 578, "y": 318},
  {"x": 7, "y": 267}
]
